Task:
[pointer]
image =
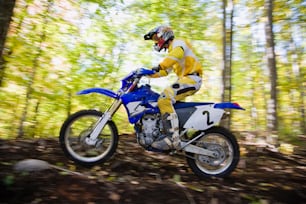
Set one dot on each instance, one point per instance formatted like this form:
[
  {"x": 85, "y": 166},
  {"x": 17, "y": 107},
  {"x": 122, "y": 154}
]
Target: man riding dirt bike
[
  {"x": 162, "y": 122},
  {"x": 186, "y": 66}
]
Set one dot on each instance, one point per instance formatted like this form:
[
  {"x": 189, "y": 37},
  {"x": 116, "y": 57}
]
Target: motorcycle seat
[{"x": 180, "y": 104}]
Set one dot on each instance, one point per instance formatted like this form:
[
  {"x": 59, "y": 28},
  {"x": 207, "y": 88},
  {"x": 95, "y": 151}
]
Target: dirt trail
[{"x": 137, "y": 176}]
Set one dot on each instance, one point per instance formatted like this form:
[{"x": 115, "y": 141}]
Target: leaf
[
  {"x": 9, "y": 180},
  {"x": 134, "y": 182},
  {"x": 114, "y": 196},
  {"x": 194, "y": 187},
  {"x": 266, "y": 184},
  {"x": 111, "y": 178},
  {"x": 286, "y": 148},
  {"x": 177, "y": 178}
]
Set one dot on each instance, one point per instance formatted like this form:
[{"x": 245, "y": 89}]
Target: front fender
[{"x": 99, "y": 91}]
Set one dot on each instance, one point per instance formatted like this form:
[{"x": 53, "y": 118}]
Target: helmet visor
[{"x": 155, "y": 38}]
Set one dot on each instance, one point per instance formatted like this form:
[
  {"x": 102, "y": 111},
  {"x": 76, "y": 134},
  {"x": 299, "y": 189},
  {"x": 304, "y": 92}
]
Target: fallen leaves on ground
[{"x": 134, "y": 175}]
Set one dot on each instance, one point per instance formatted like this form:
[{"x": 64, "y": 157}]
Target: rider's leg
[
  {"x": 171, "y": 129},
  {"x": 183, "y": 87},
  {"x": 170, "y": 125}
]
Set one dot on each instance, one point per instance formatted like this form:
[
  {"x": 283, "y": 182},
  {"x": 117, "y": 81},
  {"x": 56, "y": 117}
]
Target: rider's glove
[
  {"x": 138, "y": 71},
  {"x": 156, "y": 69}
]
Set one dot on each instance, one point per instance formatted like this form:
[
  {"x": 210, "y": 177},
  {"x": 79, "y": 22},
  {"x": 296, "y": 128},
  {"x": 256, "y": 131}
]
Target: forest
[
  {"x": 53, "y": 49},
  {"x": 252, "y": 53}
]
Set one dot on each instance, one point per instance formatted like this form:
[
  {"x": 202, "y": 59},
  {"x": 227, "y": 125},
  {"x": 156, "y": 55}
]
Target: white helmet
[{"x": 161, "y": 35}]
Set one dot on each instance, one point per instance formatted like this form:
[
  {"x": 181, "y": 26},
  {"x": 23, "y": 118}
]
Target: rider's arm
[
  {"x": 166, "y": 65},
  {"x": 160, "y": 73},
  {"x": 174, "y": 56}
]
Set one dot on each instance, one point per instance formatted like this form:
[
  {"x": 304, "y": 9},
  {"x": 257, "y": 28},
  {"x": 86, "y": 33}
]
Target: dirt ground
[{"x": 134, "y": 175}]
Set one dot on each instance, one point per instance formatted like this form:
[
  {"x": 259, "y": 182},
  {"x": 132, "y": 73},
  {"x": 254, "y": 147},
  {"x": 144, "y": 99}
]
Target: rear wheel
[
  {"x": 224, "y": 144},
  {"x": 77, "y": 128}
]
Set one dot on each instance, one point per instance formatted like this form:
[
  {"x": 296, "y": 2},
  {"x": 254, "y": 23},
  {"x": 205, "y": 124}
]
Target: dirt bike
[{"x": 90, "y": 137}]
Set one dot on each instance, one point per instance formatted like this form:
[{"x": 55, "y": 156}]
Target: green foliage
[
  {"x": 88, "y": 43},
  {"x": 8, "y": 180}
]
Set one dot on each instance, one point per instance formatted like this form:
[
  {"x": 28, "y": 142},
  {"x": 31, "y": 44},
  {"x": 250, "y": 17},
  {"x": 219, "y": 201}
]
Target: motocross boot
[{"x": 171, "y": 127}]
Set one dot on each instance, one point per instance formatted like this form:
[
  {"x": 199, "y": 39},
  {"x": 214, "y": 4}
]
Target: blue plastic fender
[
  {"x": 99, "y": 91},
  {"x": 228, "y": 105}
]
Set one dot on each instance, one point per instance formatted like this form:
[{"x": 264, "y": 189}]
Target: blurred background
[{"x": 252, "y": 52}]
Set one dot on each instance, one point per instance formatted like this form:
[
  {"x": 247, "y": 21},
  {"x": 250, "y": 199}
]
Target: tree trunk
[
  {"x": 33, "y": 73},
  {"x": 227, "y": 54},
  {"x": 271, "y": 62},
  {"x": 33, "y": 131},
  {"x": 298, "y": 77},
  {"x": 6, "y": 13},
  {"x": 69, "y": 103}
]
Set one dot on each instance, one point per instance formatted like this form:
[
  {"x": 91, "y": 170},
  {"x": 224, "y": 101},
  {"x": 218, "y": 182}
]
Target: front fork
[{"x": 92, "y": 138}]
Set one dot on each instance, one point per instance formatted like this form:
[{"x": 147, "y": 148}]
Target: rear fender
[
  {"x": 102, "y": 91},
  {"x": 228, "y": 105},
  {"x": 204, "y": 117}
]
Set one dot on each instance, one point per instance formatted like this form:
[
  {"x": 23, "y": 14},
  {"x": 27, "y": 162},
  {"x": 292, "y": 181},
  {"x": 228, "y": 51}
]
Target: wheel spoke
[
  {"x": 79, "y": 127},
  {"x": 225, "y": 148},
  {"x": 218, "y": 144}
]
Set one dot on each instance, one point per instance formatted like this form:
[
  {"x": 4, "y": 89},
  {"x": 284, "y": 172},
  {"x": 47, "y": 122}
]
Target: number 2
[{"x": 208, "y": 118}]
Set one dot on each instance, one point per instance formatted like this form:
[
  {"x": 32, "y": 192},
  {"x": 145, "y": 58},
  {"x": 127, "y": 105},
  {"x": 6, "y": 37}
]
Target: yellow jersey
[{"x": 180, "y": 59}]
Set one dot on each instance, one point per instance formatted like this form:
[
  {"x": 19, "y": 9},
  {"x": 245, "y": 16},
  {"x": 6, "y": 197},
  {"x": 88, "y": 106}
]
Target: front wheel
[
  {"x": 77, "y": 128},
  {"x": 224, "y": 144}
]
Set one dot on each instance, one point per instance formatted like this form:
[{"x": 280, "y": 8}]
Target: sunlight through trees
[{"x": 54, "y": 48}]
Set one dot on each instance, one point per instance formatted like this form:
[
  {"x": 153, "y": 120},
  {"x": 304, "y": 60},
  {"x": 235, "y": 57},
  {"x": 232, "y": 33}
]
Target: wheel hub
[{"x": 219, "y": 155}]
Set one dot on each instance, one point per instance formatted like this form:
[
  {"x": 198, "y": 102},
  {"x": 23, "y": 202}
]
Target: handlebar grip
[{"x": 156, "y": 69}]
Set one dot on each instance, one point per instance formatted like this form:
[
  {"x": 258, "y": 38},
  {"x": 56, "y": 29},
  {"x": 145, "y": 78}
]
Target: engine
[{"x": 149, "y": 129}]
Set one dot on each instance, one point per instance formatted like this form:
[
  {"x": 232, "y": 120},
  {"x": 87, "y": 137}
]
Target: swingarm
[
  {"x": 188, "y": 147},
  {"x": 197, "y": 150}
]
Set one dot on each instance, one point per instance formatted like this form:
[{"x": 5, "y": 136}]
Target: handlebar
[
  {"x": 144, "y": 71},
  {"x": 134, "y": 77}
]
